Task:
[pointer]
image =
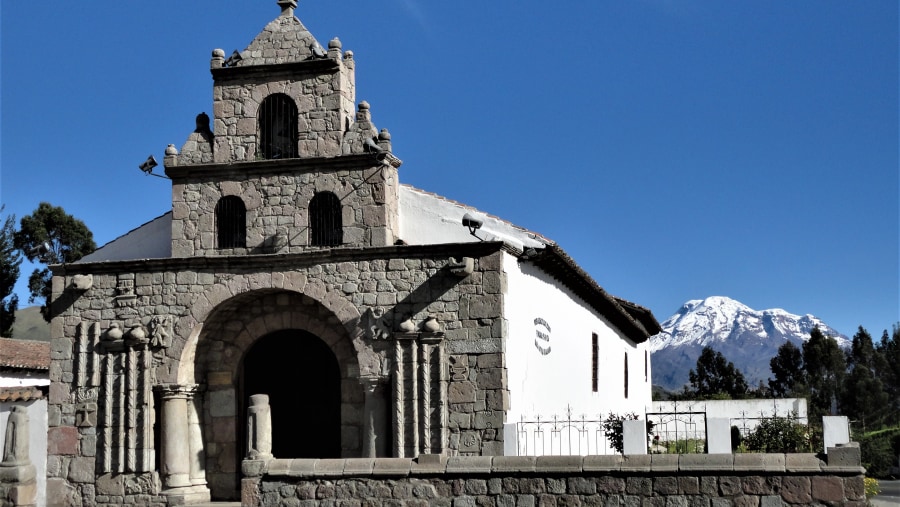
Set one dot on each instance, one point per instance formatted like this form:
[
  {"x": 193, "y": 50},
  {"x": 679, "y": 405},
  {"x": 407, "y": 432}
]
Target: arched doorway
[{"x": 302, "y": 377}]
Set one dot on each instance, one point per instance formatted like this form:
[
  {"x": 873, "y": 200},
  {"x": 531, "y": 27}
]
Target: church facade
[{"x": 381, "y": 320}]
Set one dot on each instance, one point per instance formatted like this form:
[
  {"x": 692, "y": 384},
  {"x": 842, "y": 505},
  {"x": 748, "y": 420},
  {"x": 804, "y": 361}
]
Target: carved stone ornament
[
  {"x": 431, "y": 325},
  {"x": 114, "y": 333},
  {"x": 125, "y": 293},
  {"x": 136, "y": 336},
  {"x": 160, "y": 331},
  {"x": 407, "y": 325},
  {"x": 459, "y": 368},
  {"x": 143, "y": 484},
  {"x": 82, "y": 282},
  {"x": 374, "y": 324},
  {"x": 462, "y": 267},
  {"x": 86, "y": 414}
]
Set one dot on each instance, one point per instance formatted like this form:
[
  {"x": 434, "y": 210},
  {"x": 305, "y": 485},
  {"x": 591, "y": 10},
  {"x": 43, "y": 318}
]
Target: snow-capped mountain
[{"x": 749, "y": 338}]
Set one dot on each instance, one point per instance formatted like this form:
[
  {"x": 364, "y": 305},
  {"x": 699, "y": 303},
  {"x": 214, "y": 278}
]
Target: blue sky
[{"x": 676, "y": 149}]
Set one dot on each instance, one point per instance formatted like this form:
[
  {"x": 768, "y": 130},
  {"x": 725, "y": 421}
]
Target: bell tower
[{"x": 288, "y": 163}]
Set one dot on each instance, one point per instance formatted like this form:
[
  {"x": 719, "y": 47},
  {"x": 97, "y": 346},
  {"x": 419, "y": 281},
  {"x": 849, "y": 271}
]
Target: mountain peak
[{"x": 747, "y": 337}]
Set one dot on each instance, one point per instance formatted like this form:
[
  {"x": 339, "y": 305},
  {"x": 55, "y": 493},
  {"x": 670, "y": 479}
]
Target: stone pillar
[
  {"x": 375, "y": 430},
  {"x": 259, "y": 428},
  {"x": 177, "y": 445},
  {"x": 195, "y": 436}
]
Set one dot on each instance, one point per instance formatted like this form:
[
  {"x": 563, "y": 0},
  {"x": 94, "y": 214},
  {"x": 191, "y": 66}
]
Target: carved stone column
[
  {"x": 181, "y": 467},
  {"x": 197, "y": 456},
  {"x": 375, "y": 430},
  {"x": 176, "y": 462}
]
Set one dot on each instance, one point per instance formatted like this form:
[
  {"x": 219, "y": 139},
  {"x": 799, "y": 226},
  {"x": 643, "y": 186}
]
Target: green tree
[
  {"x": 66, "y": 238},
  {"x": 787, "y": 370},
  {"x": 824, "y": 368},
  {"x": 10, "y": 260},
  {"x": 716, "y": 377},
  {"x": 889, "y": 359},
  {"x": 863, "y": 393}
]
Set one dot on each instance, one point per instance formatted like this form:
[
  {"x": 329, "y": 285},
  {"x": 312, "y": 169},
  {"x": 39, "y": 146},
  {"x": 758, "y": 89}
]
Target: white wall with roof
[
  {"x": 427, "y": 218},
  {"x": 549, "y": 354}
]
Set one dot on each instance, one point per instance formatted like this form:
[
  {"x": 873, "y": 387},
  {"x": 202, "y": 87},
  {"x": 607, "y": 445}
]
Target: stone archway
[
  {"x": 230, "y": 331},
  {"x": 301, "y": 375}
]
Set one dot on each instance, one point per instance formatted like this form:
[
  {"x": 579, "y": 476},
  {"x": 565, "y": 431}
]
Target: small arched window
[
  {"x": 277, "y": 127},
  {"x": 325, "y": 227},
  {"x": 231, "y": 222}
]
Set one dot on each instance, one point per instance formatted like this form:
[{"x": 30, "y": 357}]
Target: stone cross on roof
[{"x": 287, "y": 7}]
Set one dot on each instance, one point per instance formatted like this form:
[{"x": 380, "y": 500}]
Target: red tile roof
[
  {"x": 24, "y": 393},
  {"x": 24, "y": 354}
]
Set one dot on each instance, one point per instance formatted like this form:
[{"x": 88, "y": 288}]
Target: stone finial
[
  {"x": 431, "y": 325},
  {"x": 171, "y": 150},
  {"x": 287, "y": 7},
  {"x": 384, "y": 135},
  {"x": 348, "y": 55},
  {"x": 407, "y": 326},
  {"x": 362, "y": 113},
  {"x": 218, "y": 59},
  {"x": 334, "y": 49}
]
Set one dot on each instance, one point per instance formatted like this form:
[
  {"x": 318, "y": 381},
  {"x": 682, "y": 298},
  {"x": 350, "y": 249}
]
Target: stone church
[{"x": 379, "y": 319}]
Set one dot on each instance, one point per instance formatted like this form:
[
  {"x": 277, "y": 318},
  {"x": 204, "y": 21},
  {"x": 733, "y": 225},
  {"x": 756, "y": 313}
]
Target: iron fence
[
  {"x": 569, "y": 434},
  {"x": 678, "y": 432}
]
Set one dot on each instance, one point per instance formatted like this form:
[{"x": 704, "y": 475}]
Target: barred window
[
  {"x": 325, "y": 226},
  {"x": 231, "y": 222},
  {"x": 595, "y": 362},
  {"x": 277, "y": 127}
]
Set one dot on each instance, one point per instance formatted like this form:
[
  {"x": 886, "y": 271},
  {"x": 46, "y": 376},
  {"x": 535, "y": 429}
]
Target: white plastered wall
[{"x": 548, "y": 375}]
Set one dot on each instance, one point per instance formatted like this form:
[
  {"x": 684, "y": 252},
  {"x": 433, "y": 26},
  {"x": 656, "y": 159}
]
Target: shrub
[
  {"x": 779, "y": 434},
  {"x": 872, "y": 487},
  {"x": 879, "y": 451}
]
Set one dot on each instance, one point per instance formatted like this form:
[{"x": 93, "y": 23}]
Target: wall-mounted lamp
[
  {"x": 39, "y": 251},
  {"x": 148, "y": 165},
  {"x": 473, "y": 224}
]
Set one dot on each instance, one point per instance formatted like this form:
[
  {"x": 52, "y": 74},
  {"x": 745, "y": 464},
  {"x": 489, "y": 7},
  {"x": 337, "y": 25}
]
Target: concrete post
[
  {"x": 634, "y": 436},
  {"x": 835, "y": 430},
  {"x": 718, "y": 435}
]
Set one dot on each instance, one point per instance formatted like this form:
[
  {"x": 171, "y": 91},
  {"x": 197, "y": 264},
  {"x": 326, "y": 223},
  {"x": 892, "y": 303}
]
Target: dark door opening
[{"x": 302, "y": 378}]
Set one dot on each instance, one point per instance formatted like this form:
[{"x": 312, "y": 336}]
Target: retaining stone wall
[{"x": 751, "y": 480}]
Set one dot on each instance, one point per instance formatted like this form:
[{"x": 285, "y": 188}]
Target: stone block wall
[
  {"x": 145, "y": 318},
  {"x": 323, "y": 91},
  {"x": 762, "y": 480},
  {"x": 277, "y": 204}
]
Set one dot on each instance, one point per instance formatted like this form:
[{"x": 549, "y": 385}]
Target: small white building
[{"x": 24, "y": 382}]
